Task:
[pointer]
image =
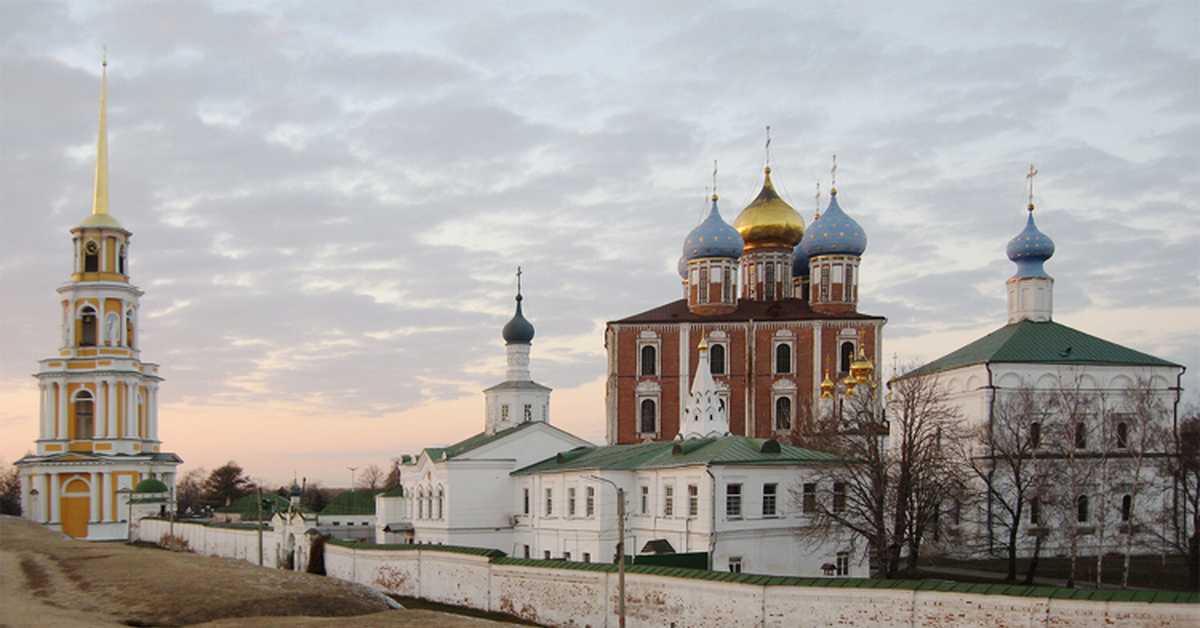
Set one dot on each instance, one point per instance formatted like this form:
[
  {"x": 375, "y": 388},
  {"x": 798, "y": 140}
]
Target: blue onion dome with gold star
[
  {"x": 1030, "y": 249},
  {"x": 682, "y": 268},
  {"x": 518, "y": 331},
  {"x": 713, "y": 237},
  {"x": 834, "y": 233},
  {"x": 768, "y": 221}
]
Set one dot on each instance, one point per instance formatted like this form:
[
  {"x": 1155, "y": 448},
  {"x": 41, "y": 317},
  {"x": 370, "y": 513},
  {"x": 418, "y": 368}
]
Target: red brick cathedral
[{"x": 778, "y": 308}]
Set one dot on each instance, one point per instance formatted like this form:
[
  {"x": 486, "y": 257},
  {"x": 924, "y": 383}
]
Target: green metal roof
[
  {"x": 1040, "y": 343},
  {"x": 474, "y": 442},
  {"x": 724, "y": 450},
  {"x": 352, "y": 503},
  {"x": 248, "y": 507},
  {"x": 151, "y": 485}
]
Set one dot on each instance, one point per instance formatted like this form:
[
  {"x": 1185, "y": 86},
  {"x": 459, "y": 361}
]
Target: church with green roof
[{"x": 1096, "y": 413}]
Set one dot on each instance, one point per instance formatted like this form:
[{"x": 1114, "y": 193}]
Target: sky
[{"x": 329, "y": 200}]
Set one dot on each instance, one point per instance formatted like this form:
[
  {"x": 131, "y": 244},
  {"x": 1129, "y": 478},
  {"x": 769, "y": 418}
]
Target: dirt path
[{"x": 50, "y": 581}]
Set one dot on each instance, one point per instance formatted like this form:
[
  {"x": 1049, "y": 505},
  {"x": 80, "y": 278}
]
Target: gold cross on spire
[
  {"x": 833, "y": 177},
  {"x": 1030, "y": 176},
  {"x": 518, "y": 281},
  {"x": 714, "y": 194}
]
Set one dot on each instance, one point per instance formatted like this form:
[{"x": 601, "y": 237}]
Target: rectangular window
[
  {"x": 546, "y": 554},
  {"x": 587, "y": 557},
  {"x": 549, "y": 502},
  {"x": 668, "y": 501},
  {"x": 808, "y": 498},
  {"x": 1080, "y": 436},
  {"x": 703, "y": 288},
  {"x": 526, "y": 551},
  {"x": 727, "y": 286},
  {"x": 839, "y": 496},
  {"x": 735, "y": 564},
  {"x": 567, "y": 556},
  {"x": 1035, "y": 435},
  {"x": 645, "y": 500},
  {"x": 528, "y": 412},
  {"x": 526, "y": 511},
  {"x": 842, "y": 566},
  {"x": 733, "y": 501},
  {"x": 693, "y": 500},
  {"x": 769, "y": 501},
  {"x": 769, "y": 281},
  {"x": 571, "y": 502},
  {"x": 590, "y": 505},
  {"x": 504, "y": 412}
]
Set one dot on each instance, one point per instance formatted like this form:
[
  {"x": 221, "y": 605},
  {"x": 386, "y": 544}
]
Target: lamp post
[
  {"x": 35, "y": 509},
  {"x": 620, "y": 547},
  {"x": 128, "y": 493}
]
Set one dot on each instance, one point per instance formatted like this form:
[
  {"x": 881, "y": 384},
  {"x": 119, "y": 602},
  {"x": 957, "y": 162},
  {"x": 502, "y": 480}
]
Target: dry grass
[{"x": 51, "y": 581}]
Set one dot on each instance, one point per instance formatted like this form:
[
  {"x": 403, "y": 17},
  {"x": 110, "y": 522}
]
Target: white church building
[
  {"x": 1098, "y": 417},
  {"x": 533, "y": 491}
]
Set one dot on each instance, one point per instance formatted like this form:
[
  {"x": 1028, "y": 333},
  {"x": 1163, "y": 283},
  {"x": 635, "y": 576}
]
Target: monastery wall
[
  {"x": 213, "y": 540},
  {"x": 585, "y": 594}
]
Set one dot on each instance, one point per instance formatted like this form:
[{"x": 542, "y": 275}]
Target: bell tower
[{"x": 98, "y": 429}]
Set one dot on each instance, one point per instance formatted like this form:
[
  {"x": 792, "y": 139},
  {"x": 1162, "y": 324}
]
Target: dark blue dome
[
  {"x": 799, "y": 263},
  {"x": 518, "y": 330},
  {"x": 1030, "y": 249},
  {"x": 713, "y": 238},
  {"x": 834, "y": 233}
]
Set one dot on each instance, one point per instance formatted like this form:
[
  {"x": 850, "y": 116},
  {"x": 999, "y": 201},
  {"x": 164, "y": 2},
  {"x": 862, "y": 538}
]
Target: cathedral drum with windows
[
  {"x": 771, "y": 341},
  {"x": 98, "y": 444}
]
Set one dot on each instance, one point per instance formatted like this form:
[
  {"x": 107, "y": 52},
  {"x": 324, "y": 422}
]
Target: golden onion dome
[
  {"x": 827, "y": 386},
  {"x": 769, "y": 220}
]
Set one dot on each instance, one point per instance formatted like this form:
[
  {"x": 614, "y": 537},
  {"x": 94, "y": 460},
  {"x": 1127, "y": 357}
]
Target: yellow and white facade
[{"x": 98, "y": 433}]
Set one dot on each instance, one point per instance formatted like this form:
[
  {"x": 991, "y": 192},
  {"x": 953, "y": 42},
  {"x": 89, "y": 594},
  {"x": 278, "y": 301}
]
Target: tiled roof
[
  {"x": 747, "y": 310},
  {"x": 1040, "y": 343},
  {"x": 352, "y": 503},
  {"x": 724, "y": 450}
]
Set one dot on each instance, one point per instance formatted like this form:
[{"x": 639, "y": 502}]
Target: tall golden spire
[
  {"x": 100, "y": 216},
  {"x": 100, "y": 203}
]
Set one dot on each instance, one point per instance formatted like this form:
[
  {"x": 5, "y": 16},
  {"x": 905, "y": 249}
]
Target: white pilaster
[
  {"x": 114, "y": 417},
  {"x": 106, "y": 494},
  {"x": 61, "y": 411},
  {"x": 55, "y": 498},
  {"x": 94, "y": 497}
]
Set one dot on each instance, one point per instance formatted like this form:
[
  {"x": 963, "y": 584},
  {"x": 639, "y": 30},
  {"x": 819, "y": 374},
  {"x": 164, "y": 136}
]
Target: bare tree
[
  {"x": 925, "y": 473},
  {"x": 371, "y": 478},
  {"x": 1178, "y": 528},
  {"x": 851, "y": 494},
  {"x": 393, "y": 476},
  {"x": 1005, "y": 456},
  {"x": 1074, "y": 439},
  {"x": 189, "y": 491},
  {"x": 10, "y": 491},
  {"x": 1138, "y": 433}
]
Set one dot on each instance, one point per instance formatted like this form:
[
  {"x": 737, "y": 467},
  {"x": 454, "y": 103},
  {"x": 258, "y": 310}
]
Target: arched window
[
  {"x": 783, "y": 413},
  {"x": 91, "y": 257},
  {"x": 1081, "y": 509},
  {"x": 649, "y": 422},
  {"x": 649, "y": 360},
  {"x": 421, "y": 503},
  {"x": 440, "y": 494},
  {"x": 1122, "y": 435},
  {"x": 87, "y": 327},
  {"x": 716, "y": 359},
  {"x": 783, "y": 358},
  {"x": 1126, "y": 507},
  {"x": 85, "y": 421},
  {"x": 129, "y": 337},
  {"x": 121, "y": 261},
  {"x": 847, "y": 356}
]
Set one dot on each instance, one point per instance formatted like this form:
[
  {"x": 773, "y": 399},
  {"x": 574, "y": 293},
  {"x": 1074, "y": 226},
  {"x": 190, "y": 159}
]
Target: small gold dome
[
  {"x": 100, "y": 220},
  {"x": 769, "y": 220}
]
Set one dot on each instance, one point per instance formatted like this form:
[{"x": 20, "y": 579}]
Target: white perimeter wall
[{"x": 576, "y": 597}]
